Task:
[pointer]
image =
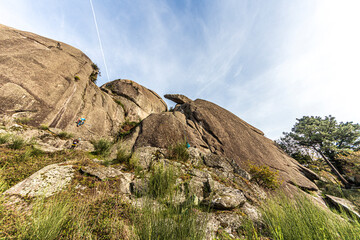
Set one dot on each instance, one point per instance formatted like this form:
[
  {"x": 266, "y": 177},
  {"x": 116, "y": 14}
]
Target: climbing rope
[{"x": 98, "y": 34}]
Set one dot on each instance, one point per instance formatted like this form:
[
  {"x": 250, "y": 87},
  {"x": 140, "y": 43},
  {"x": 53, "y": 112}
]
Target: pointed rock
[{"x": 178, "y": 98}]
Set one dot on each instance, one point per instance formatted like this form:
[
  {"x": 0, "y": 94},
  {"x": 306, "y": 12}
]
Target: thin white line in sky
[{"x": 101, "y": 48}]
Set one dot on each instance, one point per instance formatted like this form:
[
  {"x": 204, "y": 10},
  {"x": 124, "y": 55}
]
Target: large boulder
[
  {"x": 207, "y": 126},
  {"x": 50, "y": 83},
  {"x": 45, "y": 182},
  {"x": 138, "y": 101}
]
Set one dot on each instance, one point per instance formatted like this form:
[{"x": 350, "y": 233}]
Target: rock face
[
  {"x": 178, "y": 98},
  {"x": 207, "y": 126},
  {"x": 138, "y": 101},
  {"x": 49, "y": 82},
  {"x": 45, "y": 182}
]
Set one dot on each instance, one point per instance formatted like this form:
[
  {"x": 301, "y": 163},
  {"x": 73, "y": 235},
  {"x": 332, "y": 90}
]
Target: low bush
[
  {"x": 126, "y": 129},
  {"x": 264, "y": 176},
  {"x": 102, "y": 147},
  {"x": 65, "y": 135},
  {"x": 76, "y": 78},
  {"x": 178, "y": 152}
]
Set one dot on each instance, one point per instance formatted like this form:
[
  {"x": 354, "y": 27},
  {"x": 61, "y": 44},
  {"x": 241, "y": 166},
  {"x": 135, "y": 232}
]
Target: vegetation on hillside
[{"x": 325, "y": 138}]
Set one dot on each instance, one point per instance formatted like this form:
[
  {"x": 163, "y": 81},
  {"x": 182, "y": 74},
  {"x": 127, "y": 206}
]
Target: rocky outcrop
[
  {"x": 343, "y": 205},
  {"x": 207, "y": 126},
  {"x": 46, "y": 182},
  {"x": 138, "y": 101},
  {"x": 178, "y": 98},
  {"x": 49, "y": 83}
]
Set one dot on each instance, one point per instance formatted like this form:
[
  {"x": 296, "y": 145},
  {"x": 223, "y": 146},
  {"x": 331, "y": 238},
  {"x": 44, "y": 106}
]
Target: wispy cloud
[{"x": 268, "y": 62}]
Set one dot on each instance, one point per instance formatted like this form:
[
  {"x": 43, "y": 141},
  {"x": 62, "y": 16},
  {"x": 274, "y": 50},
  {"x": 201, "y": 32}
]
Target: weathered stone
[
  {"x": 226, "y": 199},
  {"x": 342, "y": 203},
  {"x": 101, "y": 172},
  {"x": 178, "y": 98},
  {"x": 45, "y": 182},
  {"x": 196, "y": 187},
  {"x": 251, "y": 212},
  {"x": 139, "y": 186},
  {"x": 216, "y": 161},
  {"x": 146, "y": 156},
  {"x": 224, "y": 134},
  {"x": 137, "y": 101},
  {"x": 38, "y": 80}
]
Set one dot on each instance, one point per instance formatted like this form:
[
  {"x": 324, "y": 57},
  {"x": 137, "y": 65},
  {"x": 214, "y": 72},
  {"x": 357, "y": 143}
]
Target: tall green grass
[
  {"x": 171, "y": 222},
  {"x": 300, "y": 218},
  {"x": 162, "y": 182},
  {"x": 48, "y": 219}
]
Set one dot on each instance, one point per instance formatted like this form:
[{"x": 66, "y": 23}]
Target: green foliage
[
  {"x": 48, "y": 219},
  {"x": 94, "y": 74},
  {"x": 17, "y": 143},
  {"x": 102, "y": 147},
  {"x": 22, "y": 120},
  {"x": 172, "y": 222},
  {"x": 264, "y": 176},
  {"x": 321, "y": 135},
  {"x": 179, "y": 152},
  {"x": 126, "y": 129},
  {"x": 349, "y": 164},
  {"x": 44, "y": 127},
  {"x": 5, "y": 137},
  {"x": 76, "y": 78},
  {"x": 94, "y": 67},
  {"x": 300, "y": 218},
  {"x": 162, "y": 182},
  {"x": 65, "y": 135}
]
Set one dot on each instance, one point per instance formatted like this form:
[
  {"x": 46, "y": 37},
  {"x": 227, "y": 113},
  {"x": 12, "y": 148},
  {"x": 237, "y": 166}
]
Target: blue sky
[{"x": 269, "y": 62}]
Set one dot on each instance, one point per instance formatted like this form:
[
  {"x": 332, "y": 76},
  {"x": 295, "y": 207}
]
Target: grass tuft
[
  {"x": 102, "y": 147},
  {"x": 178, "y": 152},
  {"x": 22, "y": 120},
  {"x": 4, "y": 138},
  {"x": 44, "y": 127},
  {"x": 65, "y": 135},
  {"x": 17, "y": 143}
]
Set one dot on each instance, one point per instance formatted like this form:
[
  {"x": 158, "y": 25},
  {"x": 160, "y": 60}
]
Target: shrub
[
  {"x": 22, "y": 120},
  {"x": 102, "y": 147},
  {"x": 179, "y": 152},
  {"x": 44, "y": 127},
  {"x": 65, "y": 135},
  {"x": 76, "y": 78},
  {"x": 264, "y": 176},
  {"x": 4, "y": 138},
  {"x": 17, "y": 143},
  {"x": 126, "y": 128}
]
